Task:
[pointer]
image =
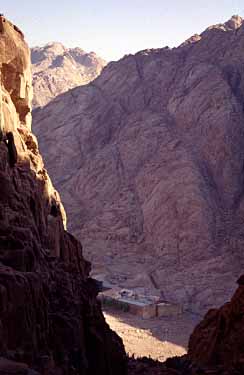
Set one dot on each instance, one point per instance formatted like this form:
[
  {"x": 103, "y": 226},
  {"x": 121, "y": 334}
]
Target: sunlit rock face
[
  {"x": 57, "y": 69},
  {"x": 15, "y": 76},
  {"x": 49, "y": 316},
  {"x": 149, "y": 162}
]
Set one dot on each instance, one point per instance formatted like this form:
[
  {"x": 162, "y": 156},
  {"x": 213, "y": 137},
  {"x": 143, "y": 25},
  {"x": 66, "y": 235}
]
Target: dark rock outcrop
[
  {"x": 50, "y": 319},
  {"x": 149, "y": 161},
  {"x": 219, "y": 339}
]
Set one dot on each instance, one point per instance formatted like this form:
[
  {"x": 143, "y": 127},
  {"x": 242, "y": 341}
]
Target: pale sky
[{"x": 115, "y": 28}]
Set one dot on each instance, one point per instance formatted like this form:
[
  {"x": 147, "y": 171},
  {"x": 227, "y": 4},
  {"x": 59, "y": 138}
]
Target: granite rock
[
  {"x": 57, "y": 69},
  {"x": 218, "y": 339},
  {"x": 149, "y": 158},
  {"x": 50, "y": 319}
]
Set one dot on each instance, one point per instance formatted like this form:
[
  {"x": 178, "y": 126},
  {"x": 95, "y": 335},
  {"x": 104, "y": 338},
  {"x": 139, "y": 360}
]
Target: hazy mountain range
[{"x": 57, "y": 69}]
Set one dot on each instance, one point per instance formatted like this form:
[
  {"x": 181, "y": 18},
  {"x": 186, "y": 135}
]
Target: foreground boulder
[
  {"x": 149, "y": 159},
  {"x": 50, "y": 319}
]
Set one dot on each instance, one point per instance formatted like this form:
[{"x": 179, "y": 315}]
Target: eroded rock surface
[
  {"x": 218, "y": 340},
  {"x": 49, "y": 316},
  {"x": 149, "y": 162},
  {"x": 57, "y": 69}
]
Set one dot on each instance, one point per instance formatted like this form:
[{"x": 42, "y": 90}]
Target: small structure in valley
[{"x": 144, "y": 306}]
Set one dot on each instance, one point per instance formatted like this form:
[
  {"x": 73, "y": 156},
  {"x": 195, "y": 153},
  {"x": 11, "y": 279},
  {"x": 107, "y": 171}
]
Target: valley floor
[{"x": 159, "y": 338}]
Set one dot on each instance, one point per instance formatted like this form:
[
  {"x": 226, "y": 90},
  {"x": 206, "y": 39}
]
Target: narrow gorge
[{"x": 51, "y": 322}]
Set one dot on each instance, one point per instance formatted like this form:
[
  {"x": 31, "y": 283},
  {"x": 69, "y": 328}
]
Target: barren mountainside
[
  {"x": 57, "y": 69},
  {"x": 149, "y": 159},
  {"x": 50, "y": 319}
]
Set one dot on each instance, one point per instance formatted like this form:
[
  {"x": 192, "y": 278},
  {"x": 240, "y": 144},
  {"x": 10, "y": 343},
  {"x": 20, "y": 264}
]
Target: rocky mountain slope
[
  {"x": 49, "y": 316},
  {"x": 50, "y": 320},
  {"x": 149, "y": 159},
  {"x": 218, "y": 339},
  {"x": 57, "y": 69}
]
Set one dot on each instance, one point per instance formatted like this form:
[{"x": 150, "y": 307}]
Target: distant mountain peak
[
  {"x": 57, "y": 69},
  {"x": 234, "y": 23},
  {"x": 54, "y": 44},
  {"x": 56, "y": 48}
]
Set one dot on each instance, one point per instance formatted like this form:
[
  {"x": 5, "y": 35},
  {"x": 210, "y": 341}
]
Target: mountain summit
[
  {"x": 234, "y": 23},
  {"x": 57, "y": 69}
]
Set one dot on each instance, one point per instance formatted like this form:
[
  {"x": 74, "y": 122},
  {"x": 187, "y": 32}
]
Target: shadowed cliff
[{"x": 50, "y": 319}]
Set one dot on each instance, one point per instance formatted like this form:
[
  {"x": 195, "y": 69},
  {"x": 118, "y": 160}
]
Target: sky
[{"x": 114, "y": 28}]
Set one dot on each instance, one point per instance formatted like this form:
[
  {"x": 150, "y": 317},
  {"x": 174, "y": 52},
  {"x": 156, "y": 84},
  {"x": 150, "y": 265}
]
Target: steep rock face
[
  {"x": 49, "y": 316},
  {"x": 57, "y": 69},
  {"x": 149, "y": 162},
  {"x": 218, "y": 340}
]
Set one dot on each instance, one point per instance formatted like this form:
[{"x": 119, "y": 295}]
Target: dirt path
[{"x": 158, "y": 338}]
